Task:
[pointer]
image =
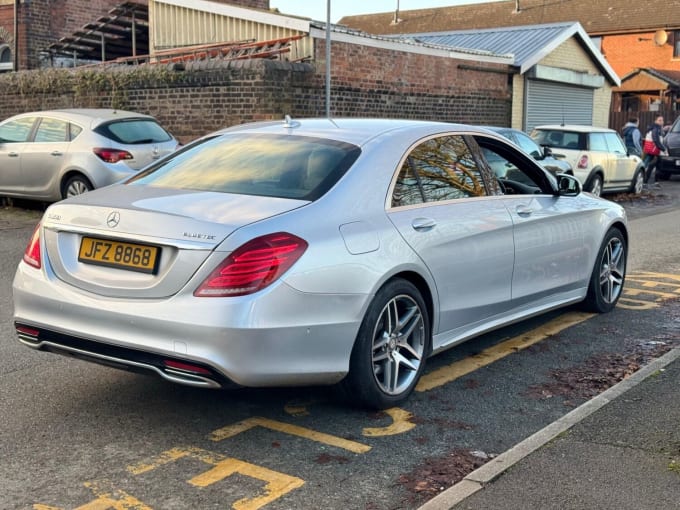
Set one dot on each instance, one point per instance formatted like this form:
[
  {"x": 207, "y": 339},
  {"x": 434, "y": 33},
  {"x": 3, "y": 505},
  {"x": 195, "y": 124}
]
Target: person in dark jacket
[
  {"x": 653, "y": 146},
  {"x": 632, "y": 137}
]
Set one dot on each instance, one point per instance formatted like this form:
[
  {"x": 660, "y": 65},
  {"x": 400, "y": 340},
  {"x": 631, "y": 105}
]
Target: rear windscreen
[
  {"x": 252, "y": 164},
  {"x": 134, "y": 132},
  {"x": 560, "y": 139}
]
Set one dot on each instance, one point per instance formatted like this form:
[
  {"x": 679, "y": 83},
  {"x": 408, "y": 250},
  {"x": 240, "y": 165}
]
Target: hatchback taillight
[
  {"x": 583, "y": 162},
  {"x": 111, "y": 155},
  {"x": 253, "y": 266},
  {"x": 32, "y": 252}
]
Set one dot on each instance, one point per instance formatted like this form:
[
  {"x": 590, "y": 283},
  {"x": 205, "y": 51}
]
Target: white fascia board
[
  {"x": 422, "y": 49},
  {"x": 574, "y": 30},
  {"x": 267, "y": 18}
]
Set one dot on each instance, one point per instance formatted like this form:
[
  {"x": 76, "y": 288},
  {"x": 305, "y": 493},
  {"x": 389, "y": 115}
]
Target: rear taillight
[
  {"x": 583, "y": 162},
  {"x": 111, "y": 155},
  {"x": 253, "y": 266},
  {"x": 32, "y": 252}
]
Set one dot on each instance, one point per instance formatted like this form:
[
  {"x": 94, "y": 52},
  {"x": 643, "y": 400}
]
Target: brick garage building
[{"x": 631, "y": 35}]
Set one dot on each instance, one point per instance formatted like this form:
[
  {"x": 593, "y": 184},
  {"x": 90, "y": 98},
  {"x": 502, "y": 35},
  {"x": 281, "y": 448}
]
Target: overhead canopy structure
[{"x": 123, "y": 32}]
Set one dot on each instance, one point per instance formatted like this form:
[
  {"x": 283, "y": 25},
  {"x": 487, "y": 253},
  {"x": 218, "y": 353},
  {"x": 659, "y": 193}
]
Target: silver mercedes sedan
[{"x": 315, "y": 251}]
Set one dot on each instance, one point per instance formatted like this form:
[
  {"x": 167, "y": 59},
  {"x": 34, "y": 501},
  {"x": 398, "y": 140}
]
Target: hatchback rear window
[
  {"x": 134, "y": 132},
  {"x": 560, "y": 139},
  {"x": 250, "y": 164}
]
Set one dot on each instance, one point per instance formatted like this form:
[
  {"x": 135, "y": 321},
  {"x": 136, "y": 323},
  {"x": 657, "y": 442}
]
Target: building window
[{"x": 5, "y": 53}]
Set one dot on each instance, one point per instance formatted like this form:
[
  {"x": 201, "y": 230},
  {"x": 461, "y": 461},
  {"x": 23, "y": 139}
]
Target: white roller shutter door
[{"x": 557, "y": 103}]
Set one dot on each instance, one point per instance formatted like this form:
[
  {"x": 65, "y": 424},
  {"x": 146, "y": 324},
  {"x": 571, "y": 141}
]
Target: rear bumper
[
  {"x": 669, "y": 164},
  {"x": 281, "y": 337}
]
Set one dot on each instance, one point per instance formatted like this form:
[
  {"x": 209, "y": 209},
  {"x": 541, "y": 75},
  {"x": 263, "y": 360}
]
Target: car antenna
[{"x": 289, "y": 123}]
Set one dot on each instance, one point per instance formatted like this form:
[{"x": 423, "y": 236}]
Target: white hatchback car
[
  {"x": 598, "y": 156},
  {"x": 57, "y": 154}
]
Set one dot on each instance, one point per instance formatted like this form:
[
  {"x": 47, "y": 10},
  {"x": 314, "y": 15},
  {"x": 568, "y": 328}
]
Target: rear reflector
[
  {"x": 25, "y": 330},
  {"x": 186, "y": 367},
  {"x": 253, "y": 266},
  {"x": 32, "y": 253}
]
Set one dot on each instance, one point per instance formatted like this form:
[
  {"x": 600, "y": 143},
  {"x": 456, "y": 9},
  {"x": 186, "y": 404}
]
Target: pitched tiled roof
[
  {"x": 649, "y": 80},
  {"x": 597, "y": 16}
]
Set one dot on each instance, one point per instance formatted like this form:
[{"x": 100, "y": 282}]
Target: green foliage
[
  {"x": 88, "y": 82},
  {"x": 674, "y": 467}
]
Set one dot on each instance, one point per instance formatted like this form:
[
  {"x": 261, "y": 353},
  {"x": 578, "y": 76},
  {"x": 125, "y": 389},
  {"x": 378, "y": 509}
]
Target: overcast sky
[{"x": 316, "y": 9}]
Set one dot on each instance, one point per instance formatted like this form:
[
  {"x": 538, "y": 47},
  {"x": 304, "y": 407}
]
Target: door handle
[
  {"x": 56, "y": 153},
  {"x": 423, "y": 224}
]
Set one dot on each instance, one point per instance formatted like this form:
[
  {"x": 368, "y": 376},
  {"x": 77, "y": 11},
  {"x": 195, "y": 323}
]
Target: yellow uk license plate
[{"x": 130, "y": 256}]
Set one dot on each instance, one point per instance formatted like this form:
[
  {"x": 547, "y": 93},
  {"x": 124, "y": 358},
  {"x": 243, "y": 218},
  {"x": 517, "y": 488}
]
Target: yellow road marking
[
  {"x": 277, "y": 484},
  {"x": 173, "y": 455},
  {"x": 463, "y": 367},
  {"x": 645, "y": 277},
  {"x": 635, "y": 304},
  {"x": 287, "y": 428},
  {"x": 112, "y": 499},
  {"x": 400, "y": 424}
]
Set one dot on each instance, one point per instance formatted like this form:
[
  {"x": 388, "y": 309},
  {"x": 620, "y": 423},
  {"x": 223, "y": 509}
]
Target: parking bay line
[{"x": 458, "y": 369}]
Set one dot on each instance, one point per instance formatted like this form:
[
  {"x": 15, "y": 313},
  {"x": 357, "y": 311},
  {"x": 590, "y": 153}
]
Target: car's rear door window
[
  {"x": 135, "y": 131},
  {"x": 17, "y": 131},
  {"x": 438, "y": 169},
  {"x": 253, "y": 164},
  {"x": 51, "y": 130}
]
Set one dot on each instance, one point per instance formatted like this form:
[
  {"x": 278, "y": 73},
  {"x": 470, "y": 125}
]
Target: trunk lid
[{"x": 145, "y": 242}]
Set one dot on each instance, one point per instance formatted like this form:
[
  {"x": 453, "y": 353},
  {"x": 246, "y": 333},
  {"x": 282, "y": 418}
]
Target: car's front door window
[{"x": 17, "y": 131}]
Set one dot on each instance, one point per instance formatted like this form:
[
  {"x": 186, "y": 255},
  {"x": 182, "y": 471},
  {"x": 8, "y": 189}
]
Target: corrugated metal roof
[
  {"x": 528, "y": 44},
  {"x": 522, "y": 42},
  {"x": 411, "y": 41}
]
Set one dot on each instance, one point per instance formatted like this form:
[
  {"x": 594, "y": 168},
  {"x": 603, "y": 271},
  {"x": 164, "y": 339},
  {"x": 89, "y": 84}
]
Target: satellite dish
[{"x": 660, "y": 37}]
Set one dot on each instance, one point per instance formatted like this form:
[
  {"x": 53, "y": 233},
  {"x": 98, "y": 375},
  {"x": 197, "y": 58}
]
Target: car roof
[
  {"x": 575, "y": 127},
  {"x": 357, "y": 131},
  {"x": 89, "y": 116}
]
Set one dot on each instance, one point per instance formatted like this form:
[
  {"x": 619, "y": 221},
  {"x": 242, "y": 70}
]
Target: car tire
[
  {"x": 595, "y": 185},
  {"x": 609, "y": 273},
  {"x": 391, "y": 347},
  {"x": 638, "y": 181},
  {"x": 76, "y": 185}
]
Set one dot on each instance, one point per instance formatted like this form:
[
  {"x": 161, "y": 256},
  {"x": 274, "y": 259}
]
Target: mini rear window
[
  {"x": 282, "y": 166},
  {"x": 560, "y": 139},
  {"x": 134, "y": 132}
]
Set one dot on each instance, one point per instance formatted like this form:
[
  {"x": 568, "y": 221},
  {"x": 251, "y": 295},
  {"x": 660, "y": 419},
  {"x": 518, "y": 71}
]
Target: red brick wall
[
  {"x": 378, "y": 81},
  {"x": 370, "y": 83},
  {"x": 627, "y": 52}
]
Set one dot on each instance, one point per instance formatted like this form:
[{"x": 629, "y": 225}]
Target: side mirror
[
  {"x": 568, "y": 185},
  {"x": 547, "y": 151}
]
